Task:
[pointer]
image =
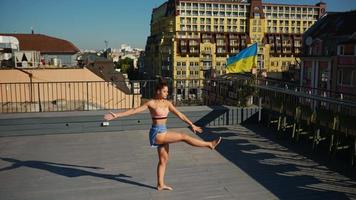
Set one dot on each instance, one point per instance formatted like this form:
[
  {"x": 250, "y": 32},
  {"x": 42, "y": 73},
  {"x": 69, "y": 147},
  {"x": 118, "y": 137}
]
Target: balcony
[
  {"x": 194, "y": 51},
  {"x": 220, "y": 44},
  {"x": 193, "y": 43},
  {"x": 346, "y": 60},
  {"x": 206, "y": 67},
  {"x": 206, "y": 58}
]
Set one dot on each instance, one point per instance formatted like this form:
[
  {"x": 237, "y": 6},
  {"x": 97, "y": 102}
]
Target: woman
[{"x": 158, "y": 135}]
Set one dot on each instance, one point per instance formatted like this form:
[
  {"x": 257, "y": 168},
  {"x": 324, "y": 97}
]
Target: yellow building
[{"x": 191, "y": 39}]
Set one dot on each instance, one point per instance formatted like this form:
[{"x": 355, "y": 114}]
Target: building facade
[
  {"x": 191, "y": 39},
  {"x": 37, "y": 50},
  {"x": 329, "y": 56}
]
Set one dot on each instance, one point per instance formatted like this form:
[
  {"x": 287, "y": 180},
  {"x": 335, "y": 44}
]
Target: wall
[
  {"x": 60, "y": 90},
  {"x": 84, "y": 122},
  {"x": 66, "y": 60}
]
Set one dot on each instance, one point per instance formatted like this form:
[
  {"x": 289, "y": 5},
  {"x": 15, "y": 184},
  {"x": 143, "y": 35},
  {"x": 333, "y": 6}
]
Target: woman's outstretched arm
[
  {"x": 184, "y": 118},
  {"x": 112, "y": 115}
]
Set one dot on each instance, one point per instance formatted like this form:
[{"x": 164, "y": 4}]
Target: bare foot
[
  {"x": 215, "y": 143},
  {"x": 164, "y": 187}
]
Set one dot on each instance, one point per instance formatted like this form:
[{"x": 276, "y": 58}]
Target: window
[
  {"x": 339, "y": 77},
  {"x": 340, "y": 50},
  {"x": 220, "y": 50},
  {"x": 349, "y": 49},
  {"x": 345, "y": 77},
  {"x": 182, "y": 20}
]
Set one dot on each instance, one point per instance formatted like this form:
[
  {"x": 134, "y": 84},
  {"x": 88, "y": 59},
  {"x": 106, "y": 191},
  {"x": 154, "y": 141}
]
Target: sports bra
[{"x": 160, "y": 113}]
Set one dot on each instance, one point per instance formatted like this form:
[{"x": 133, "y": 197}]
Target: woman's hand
[
  {"x": 197, "y": 129},
  {"x": 110, "y": 116}
]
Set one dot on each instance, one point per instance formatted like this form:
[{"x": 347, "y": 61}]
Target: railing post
[
  {"x": 133, "y": 94},
  {"x": 39, "y": 97},
  {"x": 87, "y": 103},
  {"x": 259, "y": 109}
]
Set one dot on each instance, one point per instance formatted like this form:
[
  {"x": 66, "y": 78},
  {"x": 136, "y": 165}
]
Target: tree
[{"x": 126, "y": 65}]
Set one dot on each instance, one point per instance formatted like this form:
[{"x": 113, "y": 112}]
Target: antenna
[{"x": 106, "y": 44}]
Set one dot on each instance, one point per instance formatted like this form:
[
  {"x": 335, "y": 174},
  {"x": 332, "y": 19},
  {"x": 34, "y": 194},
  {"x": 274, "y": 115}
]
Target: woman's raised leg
[
  {"x": 173, "y": 137},
  {"x": 163, "y": 154}
]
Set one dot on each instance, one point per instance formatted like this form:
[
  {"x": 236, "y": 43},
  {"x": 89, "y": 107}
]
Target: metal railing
[
  {"x": 98, "y": 95},
  {"x": 67, "y": 96},
  {"x": 91, "y": 95}
]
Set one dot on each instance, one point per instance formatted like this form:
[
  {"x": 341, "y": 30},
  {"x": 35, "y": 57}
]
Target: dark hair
[{"x": 161, "y": 84}]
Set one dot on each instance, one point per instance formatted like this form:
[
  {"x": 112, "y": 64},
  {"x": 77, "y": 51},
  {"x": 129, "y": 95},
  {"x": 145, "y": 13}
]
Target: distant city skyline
[{"x": 89, "y": 23}]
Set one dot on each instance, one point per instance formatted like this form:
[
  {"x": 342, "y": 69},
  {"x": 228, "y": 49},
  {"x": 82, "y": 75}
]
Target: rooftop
[
  {"x": 334, "y": 24},
  {"x": 43, "y": 43},
  {"x": 92, "y": 162}
]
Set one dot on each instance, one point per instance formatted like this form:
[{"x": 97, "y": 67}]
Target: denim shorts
[{"x": 156, "y": 129}]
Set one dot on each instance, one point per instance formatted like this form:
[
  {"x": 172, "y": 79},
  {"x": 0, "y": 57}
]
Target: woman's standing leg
[{"x": 163, "y": 154}]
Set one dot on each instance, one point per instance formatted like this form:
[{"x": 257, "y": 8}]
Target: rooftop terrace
[{"x": 69, "y": 156}]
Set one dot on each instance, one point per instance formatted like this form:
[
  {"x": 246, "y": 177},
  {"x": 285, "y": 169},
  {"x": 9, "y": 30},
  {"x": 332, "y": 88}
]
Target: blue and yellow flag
[{"x": 244, "y": 61}]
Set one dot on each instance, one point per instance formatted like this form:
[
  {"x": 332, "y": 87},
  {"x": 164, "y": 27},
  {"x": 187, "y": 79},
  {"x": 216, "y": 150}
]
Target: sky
[{"x": 88, "y": 23}]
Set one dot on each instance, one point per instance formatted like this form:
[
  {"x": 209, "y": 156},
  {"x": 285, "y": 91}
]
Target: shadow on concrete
[
  {"x": 216, "y": 112},
  {"x": 277, "y": 168},
  {"x": 339, "y": 163},
  {"x": 69, "y": 170}
]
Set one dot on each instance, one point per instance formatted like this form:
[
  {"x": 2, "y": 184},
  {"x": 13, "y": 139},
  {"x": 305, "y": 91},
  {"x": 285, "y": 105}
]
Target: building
[
  {"x": 126, "y": 52},
  {"x": 329, "y": 56},
  {"x": 41, "y": 82},
  {"x": 191, "y": 39},
  {"x": 41, "y": 50},
  {"x": 125, "y": 47},
  {"x": 62, "y": 89},
  {"x": 8, "y": 45}
]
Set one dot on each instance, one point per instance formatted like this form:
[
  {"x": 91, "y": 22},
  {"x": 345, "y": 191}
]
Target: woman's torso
[{"x": 159, "y": 110}]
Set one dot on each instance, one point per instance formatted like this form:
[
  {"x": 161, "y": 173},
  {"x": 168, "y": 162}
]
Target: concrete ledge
[{"x": 90, "y": 121}]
